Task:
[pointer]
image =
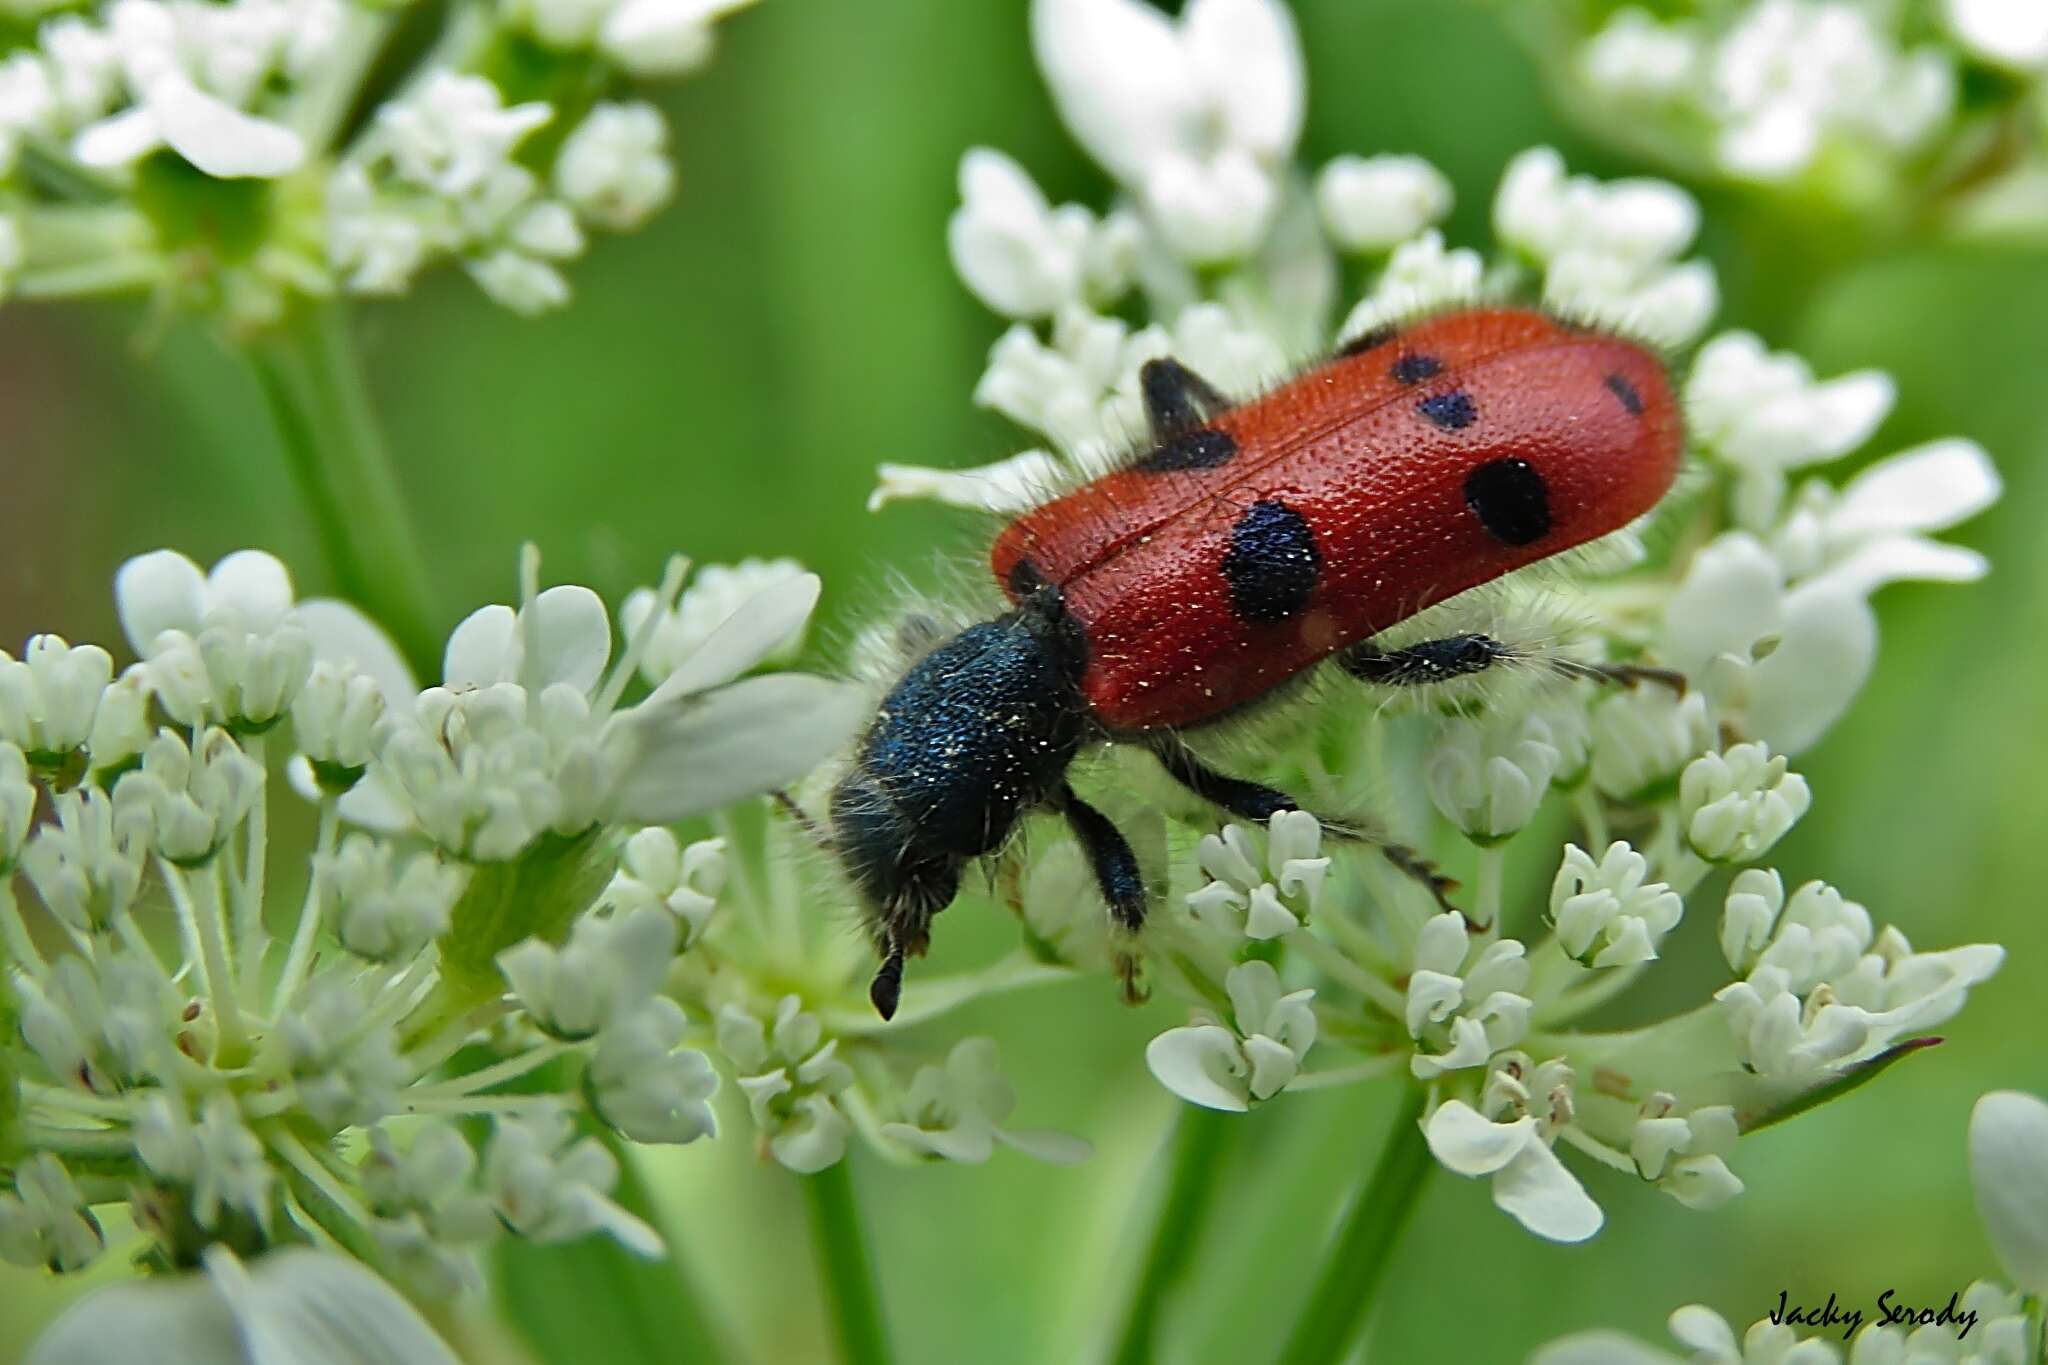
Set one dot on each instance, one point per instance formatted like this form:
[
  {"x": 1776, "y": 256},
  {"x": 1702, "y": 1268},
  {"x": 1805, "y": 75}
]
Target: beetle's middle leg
[{"x": 1460, "y": 656}]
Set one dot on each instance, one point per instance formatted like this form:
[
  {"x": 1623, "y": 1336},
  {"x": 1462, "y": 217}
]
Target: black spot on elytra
[
  {"x": 1025, "y": 578},
  {"x": 1204, "y": 449},
  {"x": 1451, "y": 411},
  {"x": 1510, "y": 500},
  {"x": 1618, "y": 385},
  {"x": 1413, "y": 369},
  {"x": 1369, "y": 340},
  {"x": 1272, "y": 564}
]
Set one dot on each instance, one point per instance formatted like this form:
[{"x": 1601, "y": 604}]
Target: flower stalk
[
  {"x": 1349, "y": 1282},
  {"x": 313, "y": 384},
  {"x": 852, "y": 1298},
  {"x": 1200, "y": 1137}
]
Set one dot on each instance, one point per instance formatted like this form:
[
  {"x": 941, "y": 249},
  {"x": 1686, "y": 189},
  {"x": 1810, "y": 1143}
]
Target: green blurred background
[{"x": 725, "y": 382}]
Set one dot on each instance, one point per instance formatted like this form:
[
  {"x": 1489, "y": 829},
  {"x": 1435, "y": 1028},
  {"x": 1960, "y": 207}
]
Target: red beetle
[{"x": 1245, "y": 544}]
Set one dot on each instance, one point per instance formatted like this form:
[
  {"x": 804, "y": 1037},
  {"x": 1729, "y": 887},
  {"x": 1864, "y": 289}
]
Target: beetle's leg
[
  {"x": 1176, "y": 398},
  {"x": 1459, "y": 656},
  {"x": 1253, "y": 801},
  {"x": 1109, "y": 853},
  {"x": 813, "y": 831}
]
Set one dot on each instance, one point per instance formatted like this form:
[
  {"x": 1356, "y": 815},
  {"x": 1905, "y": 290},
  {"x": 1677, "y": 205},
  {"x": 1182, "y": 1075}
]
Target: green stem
[
  {"x": 1199, "y": 1138},
  {"x": 310, "y": 378},
  {"x": 1334, "y": 1315},
  {"x": 842, "y": 1251}
]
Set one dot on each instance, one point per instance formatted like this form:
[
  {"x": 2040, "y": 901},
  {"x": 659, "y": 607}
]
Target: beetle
[{"x": 1242, "y": 545}]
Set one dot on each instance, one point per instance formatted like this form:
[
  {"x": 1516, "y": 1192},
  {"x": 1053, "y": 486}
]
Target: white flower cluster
[
  {"x": 249, "y": 1091},
  {"x": 1988, "y": 1323},
  {"x": 1763, "y": 612},
  {"x": 220, "y": 133},
  {"x": 1865, "y": 106}
]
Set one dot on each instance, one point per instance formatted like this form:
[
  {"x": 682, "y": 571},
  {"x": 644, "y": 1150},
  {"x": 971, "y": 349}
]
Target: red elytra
[{"x": 1401, "y": 476}]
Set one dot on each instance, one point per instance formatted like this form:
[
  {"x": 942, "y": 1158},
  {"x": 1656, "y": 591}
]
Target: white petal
[
  {"x": 1017, "y": 484},
  {"x": 1441, "y": 944},
  {"x": 2013, "y": 32},
  {"x": 1729, "y": 600},
  {"x": 156, "y": 592},
  {"x": 1702, "y": 1329},
  {"x": 175, "y": 1321},
  {"x": 753, "y": 736},
  {"x": 484, "y": 649},
  {"x": 218, "y": 138},
  {"x": 1894, "y": 559},
  {"x": 1927, "y": 488},
  {"x": 1824, "y": 655},
  {"x": 1121, "y": 79},
  {"x": 2009, "y": 1167},
  {"x": 1249, "y": 55},
  {"x": 1201, "y": 1065},
  {"x": 254, "y": 583},
  {"x": 1468, "y": 1142},
  {"x": 1544, "y": 1197},
  {"x": 1048, "y": 1145},
  {"x": 568, "y": 639},
  {"x": 341, "y": 634},
  {"x": 121, "y": 140},
  {"x": 752, "y": 633},
  {"x": 316, "y": 1308}
]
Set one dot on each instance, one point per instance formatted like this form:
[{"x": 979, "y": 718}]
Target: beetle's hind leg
[
  {"x": 1460, "y": 656},
  {"x": 1256, "y": 802}
]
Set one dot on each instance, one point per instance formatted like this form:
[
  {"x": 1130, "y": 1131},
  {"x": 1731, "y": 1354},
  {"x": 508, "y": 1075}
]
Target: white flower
[
  {"x": 1634, "y": 55},
  {"x": 218, "y": 1158},
  {"x": 17, "y": 804},
  {"x": 1871, "y": 532},
  {"x": 455, "y": 132},
  {"x": 1373, "y": 204},
  {"x": 428, "y": 1208},
  {"x": 1685, "y": 1153},
  {"x": 615, "y": 169},
  {"x": 1734, "y": 806},
  {"x": 1608, "y": 250},
  {"x": 105, "y": 1026},
  {"x": 611, "y": 963},
  {"x": 956, "y": 1111},
  {"x": 1235, "y": 1068},
  {"x": 1529, "y": 1183},
  {"x": 1068, "y": 389},
  {"x": 520, "y": 282},
  {"x": 654, "y": 870},
  {"x": 2009, "y": 32},
  {"x": 1763, "y": 414},
  {"x": 225, "y": 646},
  {"x": 716, "y": 595},
  {"x": 291, "y": 1304},
  {"x": 789, "y": 1078},
  {"x": 1196, "y": 118},
  {"x": 1421, "y": 277},
  {"x": 1891, "y": 992},
  {"x": 1815, "y": 937},
  {"x": 46, "y": 1223},
  {"x": 1643, "y": 737},
  {"x": 2009, "y": 1167},
  {"x": 652, "y": 39},
  {"x": 190, "y": 71},
  {"x": 1240, "y": 900},
  {"x": 552, "y": 1188},
  {"x": 346, "y": 1072},
  {"x": 1468, "y": 1000},
  {"x": 1792, "y": 72},
  {"x": 87, "y": 867},
  {"x": 196, "y": 797},
  {"x": 1488, "y": 775},
  {"x": 644, "y": 1085},
  {"x": 121, "y": 726},
  {"x": 335, "y": 722},
  {"x": 1024, "y": 258},
  {"x": 526, "y": 735},
  {"x": 50, "y": 697},
  {"x": 1606, "y": 913}
]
